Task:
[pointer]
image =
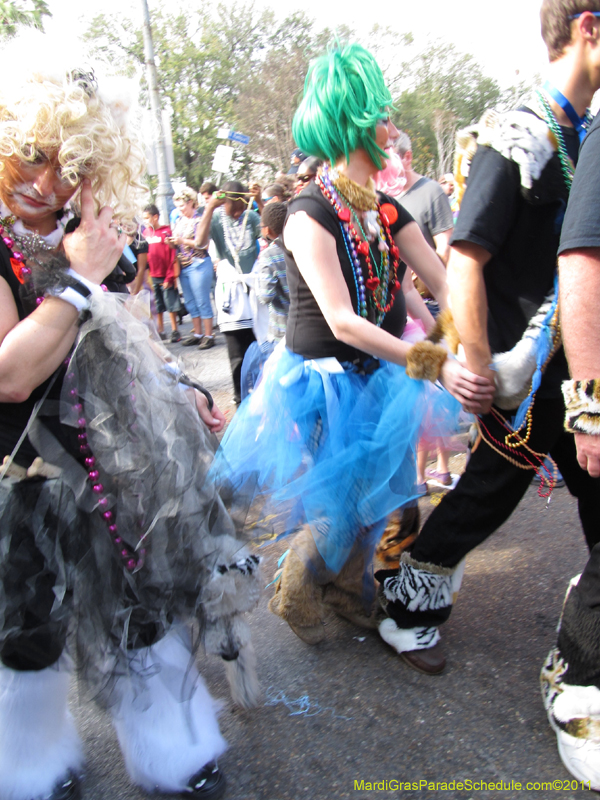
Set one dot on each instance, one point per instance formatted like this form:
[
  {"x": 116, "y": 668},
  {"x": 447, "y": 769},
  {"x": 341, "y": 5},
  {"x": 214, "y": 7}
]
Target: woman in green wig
[{"x": 331, "y": 430}]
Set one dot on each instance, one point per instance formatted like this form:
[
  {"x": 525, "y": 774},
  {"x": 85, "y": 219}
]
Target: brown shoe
[
  {"x": 310, "y": 634},
  {"x": 430, "y": 661}
]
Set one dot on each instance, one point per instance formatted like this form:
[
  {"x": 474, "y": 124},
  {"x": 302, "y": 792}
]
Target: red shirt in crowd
[{"x": 161, "y": 257}]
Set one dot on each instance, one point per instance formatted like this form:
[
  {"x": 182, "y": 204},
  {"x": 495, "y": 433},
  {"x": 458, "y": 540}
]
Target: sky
[{"x": 503, "y": 37}]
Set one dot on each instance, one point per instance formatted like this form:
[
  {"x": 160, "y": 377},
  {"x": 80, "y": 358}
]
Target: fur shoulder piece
[{"x": 522, "y": 138}]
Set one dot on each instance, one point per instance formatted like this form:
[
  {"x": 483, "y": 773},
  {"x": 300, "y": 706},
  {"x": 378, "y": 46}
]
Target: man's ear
[{"x": 589, "y": 26}]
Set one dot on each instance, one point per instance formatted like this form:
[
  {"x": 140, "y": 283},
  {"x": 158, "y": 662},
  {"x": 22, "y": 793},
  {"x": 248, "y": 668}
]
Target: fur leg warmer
[
  {"x": 298, "y": 597},
  {"x": 351, "y": 594},
  {"x": 39, "y": 744},
  {"x": 165, "y": 719}
]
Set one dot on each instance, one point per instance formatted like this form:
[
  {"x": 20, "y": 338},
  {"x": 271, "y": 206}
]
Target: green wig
[{"x": 344, "y": 97}]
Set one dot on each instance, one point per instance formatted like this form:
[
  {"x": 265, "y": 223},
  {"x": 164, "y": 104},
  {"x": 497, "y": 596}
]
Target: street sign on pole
[
  {"x": 222, "y": 159},
  {"x": 238, "y": 137}
]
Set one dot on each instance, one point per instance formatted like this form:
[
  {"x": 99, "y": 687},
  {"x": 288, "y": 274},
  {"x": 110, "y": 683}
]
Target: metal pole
[{"x": 164, "y": 193}]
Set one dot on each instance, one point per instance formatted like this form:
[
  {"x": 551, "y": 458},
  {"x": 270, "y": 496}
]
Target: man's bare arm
[
  {"x": 468, "y": 301},
  {"x": 203, "y": 229},
  {"x": 580, "y": 307}
]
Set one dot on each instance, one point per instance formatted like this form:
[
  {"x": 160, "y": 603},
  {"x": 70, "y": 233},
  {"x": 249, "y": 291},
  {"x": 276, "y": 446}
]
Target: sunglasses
[{"x": 304, "y": 178}]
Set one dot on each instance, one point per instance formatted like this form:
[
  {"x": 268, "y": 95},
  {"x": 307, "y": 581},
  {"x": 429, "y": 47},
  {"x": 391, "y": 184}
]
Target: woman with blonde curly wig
[
  {"x": 64, "y": 123},
  {"x": 112, "y": 540}
]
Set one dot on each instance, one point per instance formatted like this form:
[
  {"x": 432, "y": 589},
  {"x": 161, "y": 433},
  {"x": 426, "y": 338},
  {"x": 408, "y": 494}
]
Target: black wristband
[{"x": 194, "y": 385}]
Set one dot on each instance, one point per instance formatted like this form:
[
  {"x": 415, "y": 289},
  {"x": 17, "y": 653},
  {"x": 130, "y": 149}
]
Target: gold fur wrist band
[
  {"x": 445, "y": 329},
  {"x": 582, "y": 401},
  {"x": 424, "y": 361}
]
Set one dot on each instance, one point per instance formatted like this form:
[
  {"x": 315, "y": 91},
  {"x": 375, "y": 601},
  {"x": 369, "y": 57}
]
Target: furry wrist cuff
[
  {"x": 582, "y": 401},
  {"x": 424, "y": 361},
  {"x": 445, "y": 329}
]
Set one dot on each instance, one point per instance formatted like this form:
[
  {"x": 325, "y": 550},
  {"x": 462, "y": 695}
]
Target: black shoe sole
[
  {"x": 68, "y": 789},
  {"x": 213, "y": 792}
]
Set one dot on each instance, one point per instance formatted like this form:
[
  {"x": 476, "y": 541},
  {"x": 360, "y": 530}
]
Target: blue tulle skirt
[{"x": 332, "y": 445}]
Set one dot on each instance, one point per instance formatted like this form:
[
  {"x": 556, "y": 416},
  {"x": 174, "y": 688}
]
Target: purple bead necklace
[{"x": 131, "y": 560}]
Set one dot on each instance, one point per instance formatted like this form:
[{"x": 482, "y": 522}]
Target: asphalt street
[{"x": 349, "y": 711}]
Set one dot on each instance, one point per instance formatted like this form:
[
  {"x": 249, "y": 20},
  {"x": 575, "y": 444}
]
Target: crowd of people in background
[
  {"x": 240, "y": 227},
  {"x": 366, "y": 309}
]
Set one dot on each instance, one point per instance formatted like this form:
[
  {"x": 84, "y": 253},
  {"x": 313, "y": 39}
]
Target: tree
[
  {"x": 271, "y": 93},
  {"x": 203, "y": 61},
  {"x": 447, "y": 90},
  {"x": 14, "y": 15}
]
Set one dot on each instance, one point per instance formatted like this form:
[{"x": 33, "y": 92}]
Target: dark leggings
[{"x": 237, "y": 344}]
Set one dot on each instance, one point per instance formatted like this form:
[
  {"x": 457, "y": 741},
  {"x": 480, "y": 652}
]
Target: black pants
[
  {"x": 237, "y": 344},
  {"x": 579, "y": 634},
  {"x": 492, "y": 487},
  {"x": 487, "y": 494}
]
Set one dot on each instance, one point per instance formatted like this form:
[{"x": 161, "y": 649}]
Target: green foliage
[
  {"x": 229, "y": 65},
  {"x": 208, "y": 64},
  {"x": 14, "y": 15},
  {"x": 444, "y": 90}
]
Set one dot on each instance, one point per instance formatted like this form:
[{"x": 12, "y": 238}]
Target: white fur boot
[
  {"x": 164, "y": 716},
  {"x": 39, "y": 744}
]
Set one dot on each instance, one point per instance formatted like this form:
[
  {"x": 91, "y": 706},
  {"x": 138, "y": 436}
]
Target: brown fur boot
[
  {"x": 345, "y": 594},
  {"x": 298, "y": 597}
]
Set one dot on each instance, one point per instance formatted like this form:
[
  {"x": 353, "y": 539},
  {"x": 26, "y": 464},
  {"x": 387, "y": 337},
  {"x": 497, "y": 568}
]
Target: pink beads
[
  {"x": 131, "y": 563},
  {"x": 8, "y": 242}
]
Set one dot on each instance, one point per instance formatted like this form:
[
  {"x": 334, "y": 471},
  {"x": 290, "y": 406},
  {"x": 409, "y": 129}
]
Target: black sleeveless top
[
  {"x": 307, "y": 333},
  {"x": 14, "y": 416}
]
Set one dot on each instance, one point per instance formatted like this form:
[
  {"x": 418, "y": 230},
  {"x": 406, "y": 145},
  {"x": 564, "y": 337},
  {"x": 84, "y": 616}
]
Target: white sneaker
[{"x": 574, "y": 714}]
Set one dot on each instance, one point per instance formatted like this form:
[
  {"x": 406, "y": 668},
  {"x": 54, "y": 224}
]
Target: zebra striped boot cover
[{"x": 417, "y": 598}]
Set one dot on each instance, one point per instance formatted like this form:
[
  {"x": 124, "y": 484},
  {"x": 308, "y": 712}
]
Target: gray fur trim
[{"x": 426, "y": 566}]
